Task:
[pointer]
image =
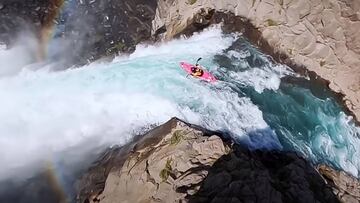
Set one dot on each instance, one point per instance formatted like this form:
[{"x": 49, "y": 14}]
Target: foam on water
[
  {"x": 315, "y": 127},
  {"x": 46, "y": 114}
]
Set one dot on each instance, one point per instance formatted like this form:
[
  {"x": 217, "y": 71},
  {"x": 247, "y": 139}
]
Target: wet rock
[
  {"x": 345, "y": 186},
  {"x": 86, "y": 29},
  {"x": 106, "y": 28},
  {"x": 17, "y": 16}
]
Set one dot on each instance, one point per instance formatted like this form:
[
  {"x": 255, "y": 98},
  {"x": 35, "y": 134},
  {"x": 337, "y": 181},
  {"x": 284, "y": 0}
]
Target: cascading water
[{"x": 45, "y": 114}]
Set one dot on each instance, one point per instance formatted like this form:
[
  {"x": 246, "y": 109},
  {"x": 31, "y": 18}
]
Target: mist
[{"x": 22, "y": 53}]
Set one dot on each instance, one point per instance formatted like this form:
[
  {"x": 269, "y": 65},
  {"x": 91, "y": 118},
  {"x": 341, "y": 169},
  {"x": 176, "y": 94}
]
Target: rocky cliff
[
  {"x": 179, "y": 162},
  {"x": 81, "y": 31},
  {"x": 320, "y": 35},
  {"x": 19, "y": 15},
  {"x": 344, "y": 186},
  {"x": 107, "y": 27}
]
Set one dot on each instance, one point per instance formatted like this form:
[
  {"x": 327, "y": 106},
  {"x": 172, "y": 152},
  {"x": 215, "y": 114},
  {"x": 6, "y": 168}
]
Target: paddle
[{"x": 197, "y": 62}]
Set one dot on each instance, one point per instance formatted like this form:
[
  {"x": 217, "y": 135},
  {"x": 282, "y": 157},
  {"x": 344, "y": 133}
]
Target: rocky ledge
[
  {"x": 318, "y": 34},
  {"x": 180, "y": 162}
]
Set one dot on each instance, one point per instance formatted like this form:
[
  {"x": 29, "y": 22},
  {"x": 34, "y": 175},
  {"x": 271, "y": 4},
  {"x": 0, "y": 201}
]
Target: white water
[{"x": 45, "y": 114}]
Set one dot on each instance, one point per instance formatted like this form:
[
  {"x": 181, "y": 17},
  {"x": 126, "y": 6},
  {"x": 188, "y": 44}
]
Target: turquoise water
[
  {"x": 48, "y": 113},
  {"x": 305, "y": 116}
]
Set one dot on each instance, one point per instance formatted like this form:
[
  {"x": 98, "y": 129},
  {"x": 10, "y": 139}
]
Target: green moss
[
  {"x": 116, "y": 48},
  {"x": 165, "y": 173},
  {"x": 119, "y": 46},
  {"x": 191, "y": 2},
  {"x": 271, "y": 22},
  {"x": 176, "y": 137}
]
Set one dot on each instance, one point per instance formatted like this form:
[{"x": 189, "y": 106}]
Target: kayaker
[{"x": 196, "y": 70}]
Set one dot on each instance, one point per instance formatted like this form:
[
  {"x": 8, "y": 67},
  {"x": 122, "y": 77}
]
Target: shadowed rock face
[
  {"x": 99, "y": 28},
  {"x": 85, "y": 30},
  {"x": 178, "y": 162},
  {"x": 18, "y": 15},
  {"x": 244, "y": 176},
  {"x": 41, "y": 188}
]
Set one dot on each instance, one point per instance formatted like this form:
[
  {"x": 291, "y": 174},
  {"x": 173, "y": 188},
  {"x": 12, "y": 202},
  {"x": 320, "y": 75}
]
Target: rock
[
  {"x": 166, "y": 164},
  {"x": 16, "y": 16},
  {"x": 163, "y": 169},
  {"x": 91, "y": 29},
  {"x": 179, "y": 162},
  {"x": 106, "y": 28},
  {"x": 273, "y": 176},
  {"x": 347, "y": 187}
]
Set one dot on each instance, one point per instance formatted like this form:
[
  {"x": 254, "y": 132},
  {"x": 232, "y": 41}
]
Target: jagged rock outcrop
[
  {"x": 321, "y": 34},
  {"x": 165, "y": 165},
  {"x": 179, "y": 162},
  {"x": 346, "y": 187}
]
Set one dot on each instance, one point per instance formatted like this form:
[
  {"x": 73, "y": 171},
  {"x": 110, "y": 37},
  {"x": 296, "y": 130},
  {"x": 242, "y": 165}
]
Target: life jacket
[{"x": 197, "y": 71}]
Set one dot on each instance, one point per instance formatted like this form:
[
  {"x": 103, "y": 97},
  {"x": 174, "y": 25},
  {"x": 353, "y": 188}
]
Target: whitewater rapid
[{"x": 45, "y": 114}]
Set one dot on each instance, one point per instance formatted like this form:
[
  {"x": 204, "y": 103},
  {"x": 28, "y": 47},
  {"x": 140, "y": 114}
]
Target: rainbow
[
  {"x": 46, "y": 35},
  {"x": 52, "y": 178},
  {"x": 49, "y": 26}
]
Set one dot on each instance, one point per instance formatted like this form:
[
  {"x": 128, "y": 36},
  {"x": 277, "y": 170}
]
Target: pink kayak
[{"x": 206, "y": 76}]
